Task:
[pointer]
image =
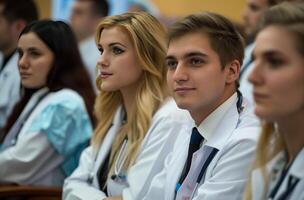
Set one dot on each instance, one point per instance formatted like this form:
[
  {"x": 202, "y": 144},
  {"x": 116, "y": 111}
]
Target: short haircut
[
  {"x": 19, "y": 9},
  {"x": 99, "y": 7},
  {"x": 225, "y": 40}
]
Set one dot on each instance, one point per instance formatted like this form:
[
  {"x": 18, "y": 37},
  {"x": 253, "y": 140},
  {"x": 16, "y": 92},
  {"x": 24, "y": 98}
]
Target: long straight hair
[
  {"x": 67, "y": 71},
  {"x": 148, "y": 37}
]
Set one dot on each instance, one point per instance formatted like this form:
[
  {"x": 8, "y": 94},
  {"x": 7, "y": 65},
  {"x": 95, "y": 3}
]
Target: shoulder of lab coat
[
  {"x": 39, "y": 161},
  {"x": 163, "y": 184},
  {"x": 235, "y": 137},
  {"x": 9, "y": 88},
  {"x": 166, "y": 124},
  {"x": 296, "y": 170}
]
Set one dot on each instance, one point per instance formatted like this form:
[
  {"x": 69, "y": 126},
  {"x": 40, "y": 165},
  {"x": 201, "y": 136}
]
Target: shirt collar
[{"x": 207, "y": 126}]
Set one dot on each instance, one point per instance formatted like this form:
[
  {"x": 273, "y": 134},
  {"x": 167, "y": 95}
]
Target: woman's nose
[
  {"x": 23, "y": 62},
  {"x": 103, "y": 60}
]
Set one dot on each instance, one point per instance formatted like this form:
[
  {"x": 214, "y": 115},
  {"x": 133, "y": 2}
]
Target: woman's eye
[
  {"x": 34, "y": 53},
  {"x": 20, "y": 53},
  {"x": 275, "y": 63},
  {"x": 100, "y": 50},
  {"x": 117, "y": 50}
]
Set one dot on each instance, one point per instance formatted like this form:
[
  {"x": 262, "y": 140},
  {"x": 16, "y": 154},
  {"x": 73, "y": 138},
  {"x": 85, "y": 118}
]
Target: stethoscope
[
  {"x": 118, "y": 166},
  {"x": 119, "y": 163}
]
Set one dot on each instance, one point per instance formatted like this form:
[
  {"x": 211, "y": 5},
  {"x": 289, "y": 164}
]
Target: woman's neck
[
  {"x": 128, "y": 101},
  {"x": 291, "y": 129}
]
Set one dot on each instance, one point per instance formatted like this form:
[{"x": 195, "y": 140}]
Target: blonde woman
[
  {"x": 278, "y": 79},
  {"x": 137, "y": 122}
]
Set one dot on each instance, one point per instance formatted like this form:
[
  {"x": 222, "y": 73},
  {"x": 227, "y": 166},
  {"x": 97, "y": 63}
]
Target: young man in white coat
[
  {"x": 85, "y": 16},
  {"x": 204, "y": 56},
  {"x": 14, "y": 15}
]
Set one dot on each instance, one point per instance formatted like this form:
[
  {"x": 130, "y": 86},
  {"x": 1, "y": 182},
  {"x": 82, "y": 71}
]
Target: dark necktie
[{"x": 195, "y": 142}]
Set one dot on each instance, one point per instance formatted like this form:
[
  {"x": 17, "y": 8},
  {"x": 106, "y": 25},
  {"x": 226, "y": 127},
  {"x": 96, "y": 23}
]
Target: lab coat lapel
[
  {"x": 218, "y": 140},
  {"x": 296, "y": 171},
  {"x": 175, "y": 169},
  {"x": 199, "y": 159},
  {"x": 108, "y": 140}
]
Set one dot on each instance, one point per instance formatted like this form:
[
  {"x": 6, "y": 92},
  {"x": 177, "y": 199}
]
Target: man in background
[
  {"x": 85, "y": 16},
  {"x": 252, "y": 13},
  {"x": 14, "y": 16}
]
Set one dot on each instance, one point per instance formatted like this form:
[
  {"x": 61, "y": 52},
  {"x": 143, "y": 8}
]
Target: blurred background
[{"x": 167, "y": 10}]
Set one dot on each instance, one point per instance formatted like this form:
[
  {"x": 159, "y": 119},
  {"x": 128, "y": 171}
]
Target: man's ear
[
  {"x": 19, "y": 25},
  {"x": 16, "y": 27},
  {"x": 232, "y": 71}
]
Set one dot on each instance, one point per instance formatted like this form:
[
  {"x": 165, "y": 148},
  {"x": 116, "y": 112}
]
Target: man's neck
[{"x": 8, "y": 51}]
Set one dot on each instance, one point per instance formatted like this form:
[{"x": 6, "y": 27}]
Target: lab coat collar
[
  {"x": 216, "y": 128},
  {"x": 258, "y": 182},
  {"x": 297, "y": 167},
  {"x": 119, "y": 116},
  {"x": 11, "y": 64}
]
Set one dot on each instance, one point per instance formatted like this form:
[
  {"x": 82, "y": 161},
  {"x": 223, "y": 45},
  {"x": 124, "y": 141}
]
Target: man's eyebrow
[
  {"x": 195, "y": 53},
  {"x": 187, "y": 55},
  {"x": 169, "y": 57}
]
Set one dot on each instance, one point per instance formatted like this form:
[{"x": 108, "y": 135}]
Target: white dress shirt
[{"x": 234, "y": 135}]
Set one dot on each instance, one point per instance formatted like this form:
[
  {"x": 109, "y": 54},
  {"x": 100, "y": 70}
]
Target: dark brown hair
[
  {"x": 68, "y": 70},
  {"x": 224, "y": 37}
]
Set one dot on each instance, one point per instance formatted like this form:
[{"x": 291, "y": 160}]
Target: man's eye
[
  {"x": 196, "y": 61},
  {"x": 171, "y": 64}
]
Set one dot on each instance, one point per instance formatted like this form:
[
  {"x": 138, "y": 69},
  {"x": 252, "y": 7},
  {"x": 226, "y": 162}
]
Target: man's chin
[{"x": 183, "y": 105}]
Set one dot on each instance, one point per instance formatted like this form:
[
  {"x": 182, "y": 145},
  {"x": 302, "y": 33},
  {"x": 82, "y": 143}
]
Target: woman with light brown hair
[
  {"x": 136, "y": 118},
  {"x": 278, "y": 80}
]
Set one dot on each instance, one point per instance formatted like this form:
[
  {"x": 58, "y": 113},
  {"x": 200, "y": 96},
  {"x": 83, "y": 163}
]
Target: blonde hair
[
  {"x": 148, "y": 37},
  {"x": 270, "y": 144},
  {"x": 291, "y": 17}
]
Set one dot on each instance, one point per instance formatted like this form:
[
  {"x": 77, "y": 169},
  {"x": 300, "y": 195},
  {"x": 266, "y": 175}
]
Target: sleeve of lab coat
[
  {"x": 151, "y": 159},
  {"x": 157, "y": 186},
  {"x": 28, "y": 159},
  {"x": 76, "y": 187},
  {"x": 230, "y": 173}
]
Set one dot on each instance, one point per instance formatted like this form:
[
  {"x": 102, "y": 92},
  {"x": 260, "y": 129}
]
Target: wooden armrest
[{"x": 30, "y": 192}]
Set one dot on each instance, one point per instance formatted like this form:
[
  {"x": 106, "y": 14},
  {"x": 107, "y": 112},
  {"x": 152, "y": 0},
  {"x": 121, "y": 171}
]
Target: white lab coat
[
  {"x": 166, "y": 124},
  {"x": 9, "y": 88},
  {"x": 245, "y": 86},
  {"x": 296, "y": 170},
  {"x": 33, "y": 158},
  {"x": 235, "y": 138}
]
